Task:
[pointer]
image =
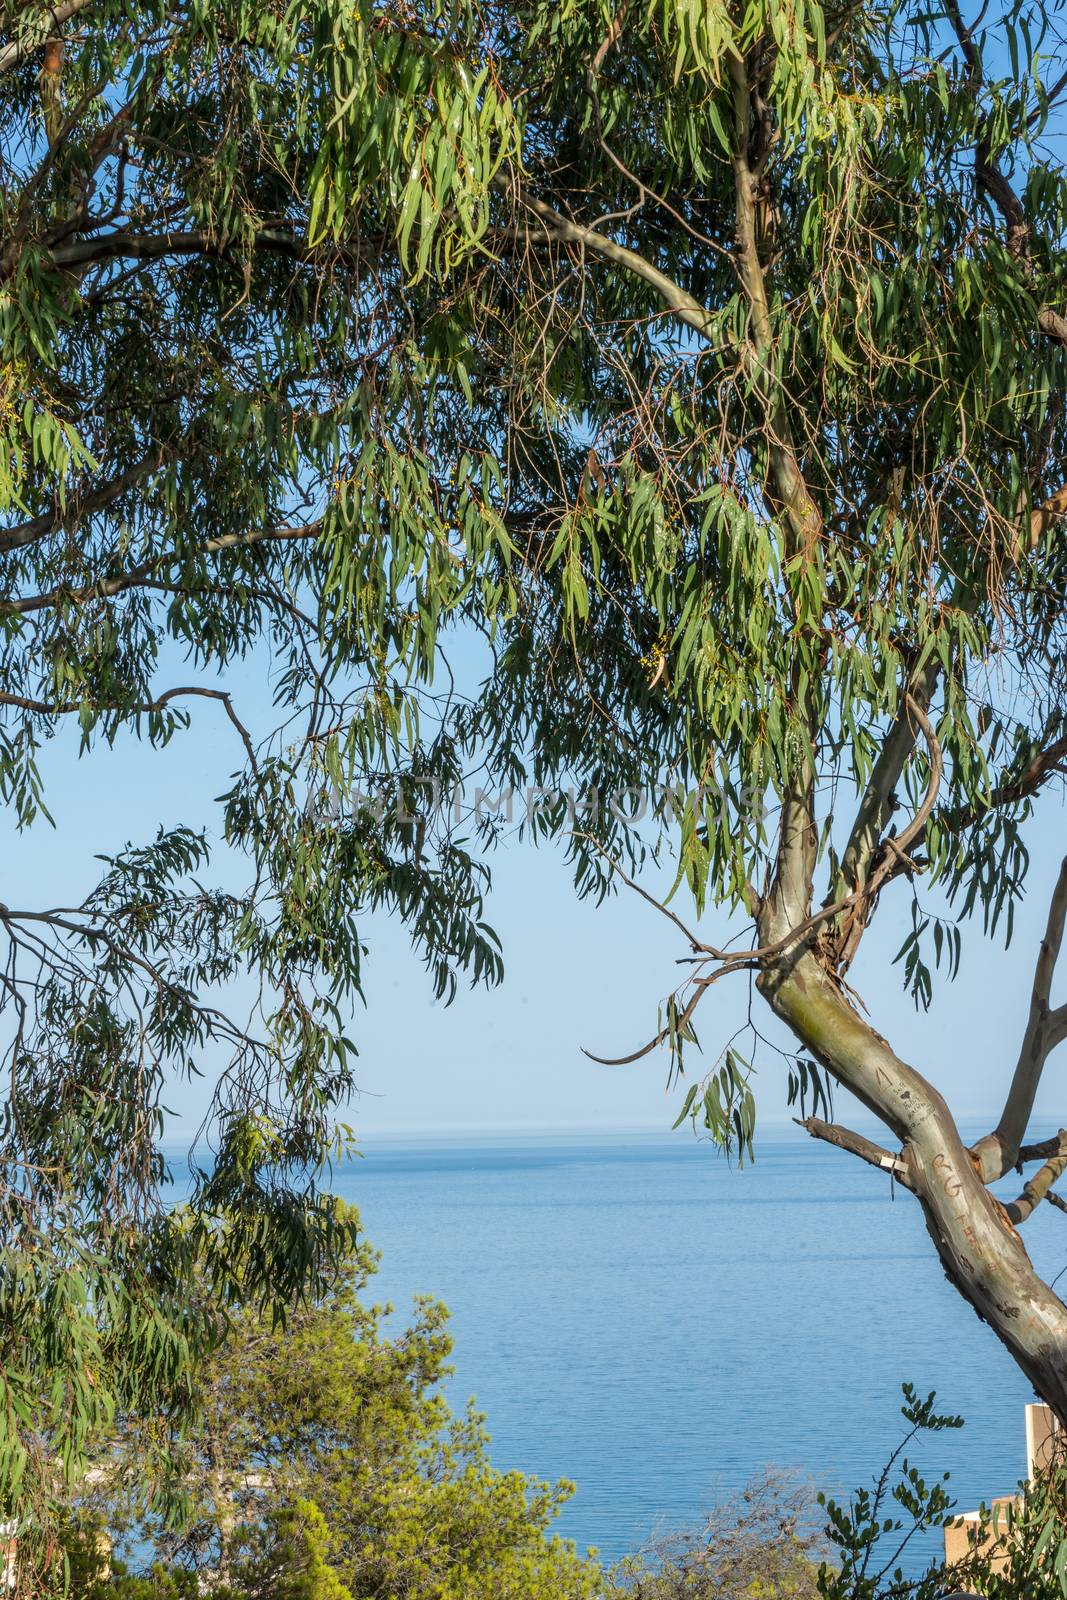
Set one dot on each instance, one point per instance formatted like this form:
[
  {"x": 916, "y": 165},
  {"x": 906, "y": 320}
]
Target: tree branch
[
  {"x": 125, "y": 246},
  {"x": 138, "y": 708},
  {"x": 877, "y": 802},
  {"x": 11, "y": 54},
  {"x": 1039, "y": 1186},
  {"x": 1042, "y": 1151},
  {"x": 615, "y": 28},
  {"x": 844, "y": 1138},
  {"x": 975, "y": 1239},
  {"x": 679, "y": 1022},
  {"x": 802, "y": 515},
  {"x": 893, "y": 855},
  {"x": 38, "y": 527},
  {"x": 987, "y": 173},
  {"x": 107, "y": 588},
  {"x": 1047, "y": 763},
  {"x": 997, "y": 1152},
  {"x": 790, "y": 898},
  {"x": 682, "y": 305}
]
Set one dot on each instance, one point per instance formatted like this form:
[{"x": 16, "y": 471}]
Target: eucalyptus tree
[
  {"x": 708, "y": 359},
  {"x": 801, "y": 272}
]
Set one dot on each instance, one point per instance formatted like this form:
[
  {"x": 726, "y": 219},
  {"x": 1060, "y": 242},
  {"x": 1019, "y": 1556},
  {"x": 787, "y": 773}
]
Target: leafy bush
[
  {"x": 1033, "y": 1538},
  {"x": 326, "y": 1465},
  {"x": 871, "y": 1534}
]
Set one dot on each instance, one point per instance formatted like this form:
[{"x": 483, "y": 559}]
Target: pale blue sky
[{"x": 576, "y": 974}]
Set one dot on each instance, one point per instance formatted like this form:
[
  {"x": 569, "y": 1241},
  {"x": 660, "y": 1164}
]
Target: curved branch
[
  {"x": 894, "y": 853},
  {"x": 902, "y": 842},
  {"x": 682, "y": 305},
  {"x": 731, "y": 961},
  {"x": 679, "y": 1022},
  {"x": 876, "y": 805},
  {"x": 139, "y": 708},
  {"x": 998, "y": 1151}
]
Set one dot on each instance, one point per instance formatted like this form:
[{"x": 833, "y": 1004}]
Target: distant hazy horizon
[{"x": 180, "y": 1130}]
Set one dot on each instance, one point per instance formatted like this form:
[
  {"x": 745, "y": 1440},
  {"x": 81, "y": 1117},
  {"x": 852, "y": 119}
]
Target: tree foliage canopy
[{"x": 706, "y": 359}]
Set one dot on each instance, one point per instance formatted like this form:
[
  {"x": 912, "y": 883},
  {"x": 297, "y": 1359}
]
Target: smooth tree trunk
[{"x": 982, "y": 1254}]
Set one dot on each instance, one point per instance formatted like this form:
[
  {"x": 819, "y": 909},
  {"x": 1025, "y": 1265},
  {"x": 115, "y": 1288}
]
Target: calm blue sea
[{"x": 633, "y": 1315}]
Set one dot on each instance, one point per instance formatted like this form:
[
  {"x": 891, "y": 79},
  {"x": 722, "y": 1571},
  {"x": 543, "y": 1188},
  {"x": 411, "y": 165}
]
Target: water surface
[{"x": 635, "y": 1316}]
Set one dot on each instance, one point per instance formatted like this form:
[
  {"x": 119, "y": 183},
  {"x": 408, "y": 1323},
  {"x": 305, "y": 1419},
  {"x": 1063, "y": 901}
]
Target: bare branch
[
  {"x": 125, "y": 246},
  {"x": 903, "y": 841},
  {"x": 665, "y": 910},
  {"x": 877, "y": 802},
  {"x": 1040, "y": 1185},
  {"x": 140, "y": 708},
  {"x": 844, "y": 1138},
  {"x": 731, "y": 961},
  {"x": 894, "y": 853},
  {"x": 680, "y": 1021},
  {"x": 997, "y": 1152},
  {"x": 1042, "y": 1151}
]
